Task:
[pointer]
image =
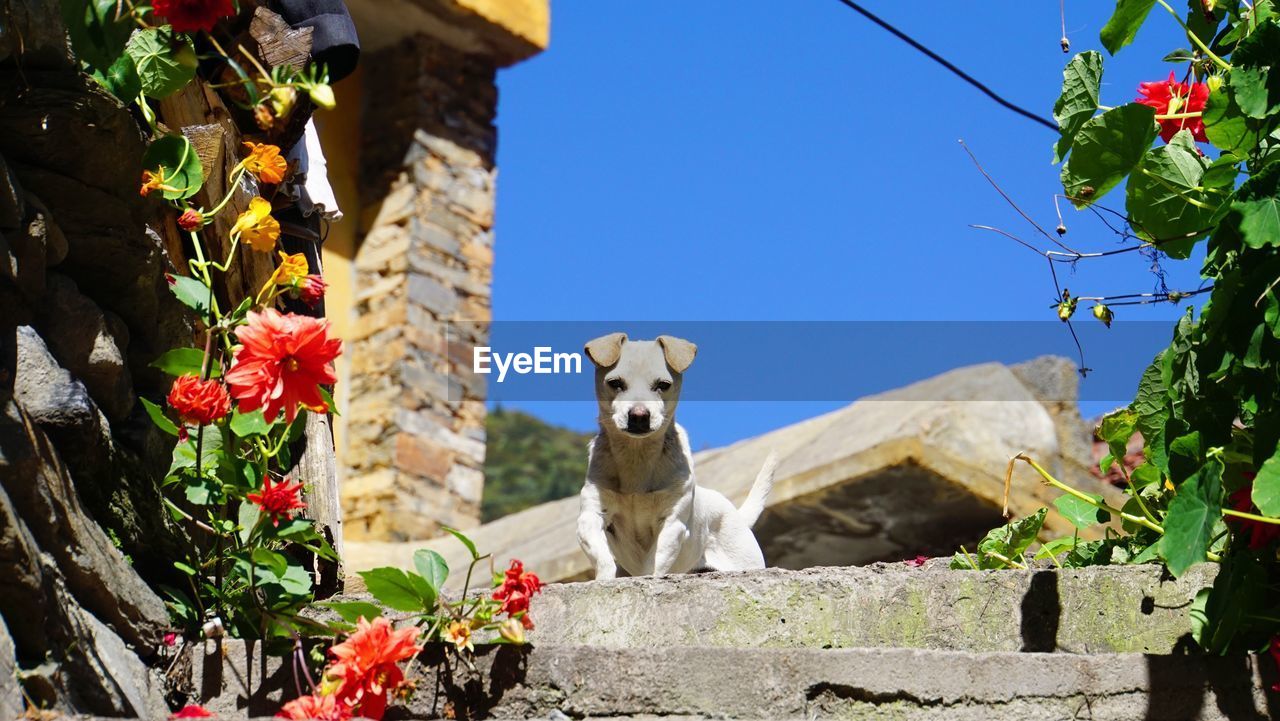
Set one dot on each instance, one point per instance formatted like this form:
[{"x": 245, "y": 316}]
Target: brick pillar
[{"x": 415, "y": 418}]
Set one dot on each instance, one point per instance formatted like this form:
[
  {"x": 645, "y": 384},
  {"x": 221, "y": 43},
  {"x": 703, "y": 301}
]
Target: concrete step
[
  {"x": 558, "y": 682},
  {"x": 1109, "y": 609}
]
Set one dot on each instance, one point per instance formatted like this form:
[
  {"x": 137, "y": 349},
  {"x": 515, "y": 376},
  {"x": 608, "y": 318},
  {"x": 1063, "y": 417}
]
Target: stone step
[
  {"x": 1106, "y": 609},
  {"x": 556, "y": 682}
]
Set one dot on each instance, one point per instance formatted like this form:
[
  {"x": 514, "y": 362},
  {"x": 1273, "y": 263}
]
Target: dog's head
[{"x": 638, "y": 382}]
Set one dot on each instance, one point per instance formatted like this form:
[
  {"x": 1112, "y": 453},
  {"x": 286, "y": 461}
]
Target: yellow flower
[
  {"x": 459, "y": 634},
  {"x": 264, "y": 161},
  {"x": 292, "y": 269},
  {"x": 256, "y": 226}
]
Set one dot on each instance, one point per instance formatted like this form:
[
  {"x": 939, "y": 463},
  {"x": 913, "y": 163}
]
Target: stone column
[{"x": 414, "y": 436}]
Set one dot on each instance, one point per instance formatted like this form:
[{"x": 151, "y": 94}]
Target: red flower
[
  {"x": 518, "y": 586},
  {"x": 191, "y": 219},
  {"x": 188, "y": 15},
  {"x": 282, "y": 363},
  {"x": 1170, "y": 97},
  {"x": 916, "y": 562},
  {"x": 315, "y": 708},
  {"x": 1259, "y": 534},
  {"x": 192, "y": 711},
  {"x": 279, "y": 500},
  {"x": 311, "y": 290},
  {"x": 198, "y": 402},
  {"x": 366, "y": 665}
]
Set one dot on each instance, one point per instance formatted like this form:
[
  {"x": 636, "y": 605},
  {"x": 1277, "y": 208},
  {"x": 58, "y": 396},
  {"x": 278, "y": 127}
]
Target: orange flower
[
  {"x": 198, "y": 402},
  {"x": 265, "y": 162},
  {"x": 315, "y": 708},
  {"x": 282, "y": 362},
  {"x": 366, "y": 666},
  {"x": 279, "y": 500},
  {"x": 152, "y": 180},
  {"x": 292, "y": 269},
  {"x": 256, "y": 226}
]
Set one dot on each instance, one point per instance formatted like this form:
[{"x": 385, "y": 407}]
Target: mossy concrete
[{"x": 1138, "y": 609}]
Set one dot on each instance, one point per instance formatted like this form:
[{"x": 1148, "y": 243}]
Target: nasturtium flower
[
  {"x": 199, "y": 402},
  {"x": 366, "y": 667},
  {"x": 191, "y": 219},
  {"x": 315, "y": 707},
  {"x": 512, "y": 630},
  {"x": 458, "y": 633},
  {"x": 154, "y": 180},
  {"x": 277, "y": 501},
  {"x": 518, "y": 586},
  {"x": 256, "y": 226},
  {"x": 282, "y": 361},
  {"x": 192, "y": 711},
  {"x": 266, "y": 163},
  {"x": 311, "y": 290},
  {"x": 189, "y": 15},
  {"x": 291, "y": 271},
  {"x": 1170, "y": 97}
]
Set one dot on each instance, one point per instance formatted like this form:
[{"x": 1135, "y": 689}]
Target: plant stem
[
  {"x": 1100, "y": 505},
  {"x": 1250, "y": 516},
  {"x": 1198, "y": 42}
]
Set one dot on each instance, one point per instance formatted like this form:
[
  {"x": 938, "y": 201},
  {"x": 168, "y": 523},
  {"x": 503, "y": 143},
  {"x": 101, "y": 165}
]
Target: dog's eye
[
  {"x": 662, "y": 386},
  {"x": 617, "y": 384}
]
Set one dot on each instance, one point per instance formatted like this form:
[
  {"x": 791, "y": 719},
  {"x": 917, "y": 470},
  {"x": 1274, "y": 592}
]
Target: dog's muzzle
[{"x": 638, "y": 420}]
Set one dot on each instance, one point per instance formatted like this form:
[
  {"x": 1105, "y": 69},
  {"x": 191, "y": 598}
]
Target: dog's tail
[{"x": 754, "y": 505}]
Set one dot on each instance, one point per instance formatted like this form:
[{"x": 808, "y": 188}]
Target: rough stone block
[{"x": 422, "y": 457}]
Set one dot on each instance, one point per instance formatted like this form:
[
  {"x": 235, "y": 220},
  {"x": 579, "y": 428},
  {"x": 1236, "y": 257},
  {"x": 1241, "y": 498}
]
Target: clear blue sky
[{"x": 764, "y": 160}]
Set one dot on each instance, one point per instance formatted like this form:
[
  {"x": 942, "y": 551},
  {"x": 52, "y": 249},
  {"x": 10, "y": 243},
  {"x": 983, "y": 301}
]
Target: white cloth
[{"x": 311, "y": 190}]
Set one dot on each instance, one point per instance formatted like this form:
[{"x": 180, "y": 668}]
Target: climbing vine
[{"x": 1197, "y": 156}]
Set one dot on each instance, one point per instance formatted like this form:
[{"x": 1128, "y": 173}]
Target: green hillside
[{"x": 529, "y": 462}]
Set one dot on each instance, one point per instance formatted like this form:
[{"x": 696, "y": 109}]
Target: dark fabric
[{"x": 333, "y": 39}]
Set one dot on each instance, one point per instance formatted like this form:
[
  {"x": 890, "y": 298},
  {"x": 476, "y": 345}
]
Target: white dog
[{"x": 641, "y": 509}]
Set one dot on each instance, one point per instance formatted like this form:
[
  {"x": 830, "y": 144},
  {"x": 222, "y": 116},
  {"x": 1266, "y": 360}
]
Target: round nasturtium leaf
[
  {"x": 165, "y": 60},
  {"x": 174, "y": 158},
  {"x": 121, "y": 79}
]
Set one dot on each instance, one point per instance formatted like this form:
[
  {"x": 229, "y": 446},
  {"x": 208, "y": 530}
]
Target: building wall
[{"x": 414, "y": 436}]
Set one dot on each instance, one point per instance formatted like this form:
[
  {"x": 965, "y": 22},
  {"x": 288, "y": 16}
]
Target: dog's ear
[
  {"x": 679, "y": 352},
  {"x": 604, "y": 351}
]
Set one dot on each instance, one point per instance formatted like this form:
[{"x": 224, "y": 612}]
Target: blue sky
[{"x": 758, "y": 160}]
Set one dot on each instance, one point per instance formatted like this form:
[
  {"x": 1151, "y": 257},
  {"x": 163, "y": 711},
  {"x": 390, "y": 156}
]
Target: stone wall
[{"x": 415, "y": 438}]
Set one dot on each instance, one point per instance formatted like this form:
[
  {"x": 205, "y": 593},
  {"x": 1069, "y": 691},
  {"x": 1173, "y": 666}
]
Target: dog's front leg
[
  {"x": 591, "y": 533},
  {"x": 671, "y": 541}
]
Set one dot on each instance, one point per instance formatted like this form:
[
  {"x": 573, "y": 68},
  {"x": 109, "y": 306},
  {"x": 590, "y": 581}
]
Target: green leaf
[
  {"x": 475, "y": 555},
  {"x": 173, "y": 158},
  {"x": 1222, "y": 616},
  {"x": 1144, "y": 475},
  {"x": 1080, "y": 513},
  {"x": 248, "y": 424},
  {"x": 1107, "y": 147},
  {"x": 1124, "y": 23},
  {"x": 275, "y": 562},
  {"x": 1227, "y": 127},
  {"x": 159, "y": 418},
  {"x": 1188, "y": 525},
  {"x": 393, "y": 588},
  {"x": 1258, "y": 203},
  {"x": 98, "y": 29},
  {"x": 1167, "y": 199},
  {"x": 432, "y": 567},
  {"x": 191, "y": 293},
  {"x": 353, "y": 611},
  {"x": 1255, "y": 88},
  {"x": 1049, "y": 549},
  {"x": 184, "y": 362},
  {"x": 121, "y": 79},
  {"x": 1266, "y": 487},
  {"x": 1116, "y": 429},
  {"x": 247, "y": 517},
  {"x": 1009, "y": 541},
  {"x": 166, "y": 61},
  {"x": 185, "y": 568},
  {"x": 327, "y": 397},
  {"x": 1079, "y": 99}
]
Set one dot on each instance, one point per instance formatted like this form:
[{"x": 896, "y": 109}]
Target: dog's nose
[{"x": 638, "y": 420}]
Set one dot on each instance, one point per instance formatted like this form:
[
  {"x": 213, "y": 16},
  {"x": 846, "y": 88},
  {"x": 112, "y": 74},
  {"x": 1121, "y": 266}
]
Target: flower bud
[
  {"x": 1214, "y": 82},
  {"x": 282, "y": 100},
  {"x": 1104, "y": 314},
  {"x": 263, "y": 117},
  {"x": 512, "y": 630},
  {"x": 1066, "y": 306},
  {"x": 191, "y": 219},
  {"x": 322, "y": 95}
]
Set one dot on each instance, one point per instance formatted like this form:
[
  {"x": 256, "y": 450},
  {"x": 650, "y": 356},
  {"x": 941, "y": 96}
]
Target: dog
[{"x": 642, "y": 512}]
